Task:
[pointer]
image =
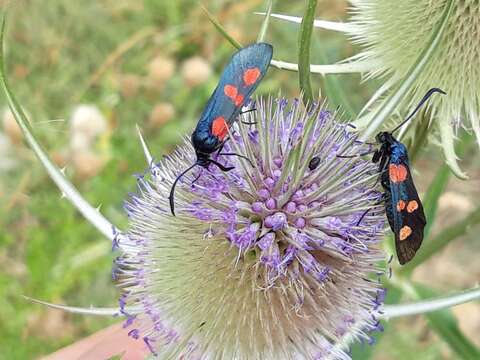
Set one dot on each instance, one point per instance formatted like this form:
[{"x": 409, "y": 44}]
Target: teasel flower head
[
  {"x": 266, "y": 261},
  {"x": 393, "y": 34}
]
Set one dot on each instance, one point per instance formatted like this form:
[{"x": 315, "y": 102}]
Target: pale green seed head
[{"x": 393, "y": 34}]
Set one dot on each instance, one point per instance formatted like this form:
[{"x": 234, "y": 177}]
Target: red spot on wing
[
  {"x": 231, "y": 91},
  {"x": 397, "y": 173},
  {"x": 400, "y": 205},
  {"x": 412, "y": 206},
  {"x": 405, "y": 232},
  {"x": 219, "y": 127},
  {"x": 250, "y": 76},
  {"x": 238, "y": 100}
]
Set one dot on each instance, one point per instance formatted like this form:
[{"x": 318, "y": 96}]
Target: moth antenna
[
  {"x": 420, "y": 104},
  {"x": 172, "y": 190}
]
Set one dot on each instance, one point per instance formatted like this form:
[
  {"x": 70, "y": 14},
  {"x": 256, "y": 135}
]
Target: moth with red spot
[
  {"x": 402, "y": 203},
  {"x": 239, "y": 79}
]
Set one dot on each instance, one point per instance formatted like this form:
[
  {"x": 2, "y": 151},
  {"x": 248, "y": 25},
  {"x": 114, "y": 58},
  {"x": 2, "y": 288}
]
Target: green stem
[
  {"x": 304, "y": 51},
  {"x": 266, "y": 21}
]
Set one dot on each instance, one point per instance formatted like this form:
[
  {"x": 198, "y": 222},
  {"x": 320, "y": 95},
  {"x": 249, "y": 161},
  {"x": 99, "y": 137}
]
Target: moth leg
[
  {"x": 376, "y": 156},
  {"x": 240, "y": 156},
  {"x": 384, "y": 160},
  {"x": 247, "y": 111},
  {"x": 248, "y": 122},
  {"x": 220, "y": 147},
  {"x": 220, "y": 166},
  {"x": 356, "y": 155},
  {"x": 198, "y": 177}
]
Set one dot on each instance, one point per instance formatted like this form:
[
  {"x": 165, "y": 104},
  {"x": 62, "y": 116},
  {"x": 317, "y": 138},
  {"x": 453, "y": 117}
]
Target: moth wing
[
  {"x": 409, "y": 218},
  {"x": 239, "y": 80}
]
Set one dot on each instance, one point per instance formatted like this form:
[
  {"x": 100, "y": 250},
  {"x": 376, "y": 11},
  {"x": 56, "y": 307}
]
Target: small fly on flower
[
  {"x": 313, "y": 163},
  {"x": 239, "y": 80}
]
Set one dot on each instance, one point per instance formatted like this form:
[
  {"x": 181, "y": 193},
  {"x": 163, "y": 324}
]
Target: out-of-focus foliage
[{"x": 154, "y": 63}]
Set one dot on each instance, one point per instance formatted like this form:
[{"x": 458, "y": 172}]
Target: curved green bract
[{"x": 390, "y": 104}]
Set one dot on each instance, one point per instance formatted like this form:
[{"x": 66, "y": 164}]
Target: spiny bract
[{"x": 394, "y": 33}]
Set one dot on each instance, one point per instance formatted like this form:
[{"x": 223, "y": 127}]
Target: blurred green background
[{"x": 154, "y": 63}]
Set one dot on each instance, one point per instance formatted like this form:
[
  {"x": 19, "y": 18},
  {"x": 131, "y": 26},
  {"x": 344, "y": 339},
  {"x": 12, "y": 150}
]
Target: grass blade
[
  {"x": 435, "y": 190},
  {"x": 266, "y": 21},
  {"x": 304, "y": 40},
  {"x": 221, "y": 29}
]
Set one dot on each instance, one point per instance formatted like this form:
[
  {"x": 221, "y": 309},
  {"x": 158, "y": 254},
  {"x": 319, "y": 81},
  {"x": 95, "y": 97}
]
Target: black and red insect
[
  {"x": 402, "y": 204},
  {"x": 239, "y": 79}
]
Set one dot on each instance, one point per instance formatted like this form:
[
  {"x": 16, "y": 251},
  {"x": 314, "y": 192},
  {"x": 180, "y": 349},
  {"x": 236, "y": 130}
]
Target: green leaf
[
  {"x": 221, "y": 29},
  {"x": 304, "y": 40},
  {"x": 336, "y": 94},
  {"x": 266, "y": 21},
  {"x": 444, "y": 323},
  {"x": 390, "y": 104},
  {"x": 435, "y": 190},
  {"x": 430, "y": 203}
]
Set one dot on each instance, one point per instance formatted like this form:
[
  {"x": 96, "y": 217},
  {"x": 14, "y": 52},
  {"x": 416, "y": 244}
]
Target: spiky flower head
[
  {"x": 275, "y": 259},
  {"x": 394, "y": 33}
]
